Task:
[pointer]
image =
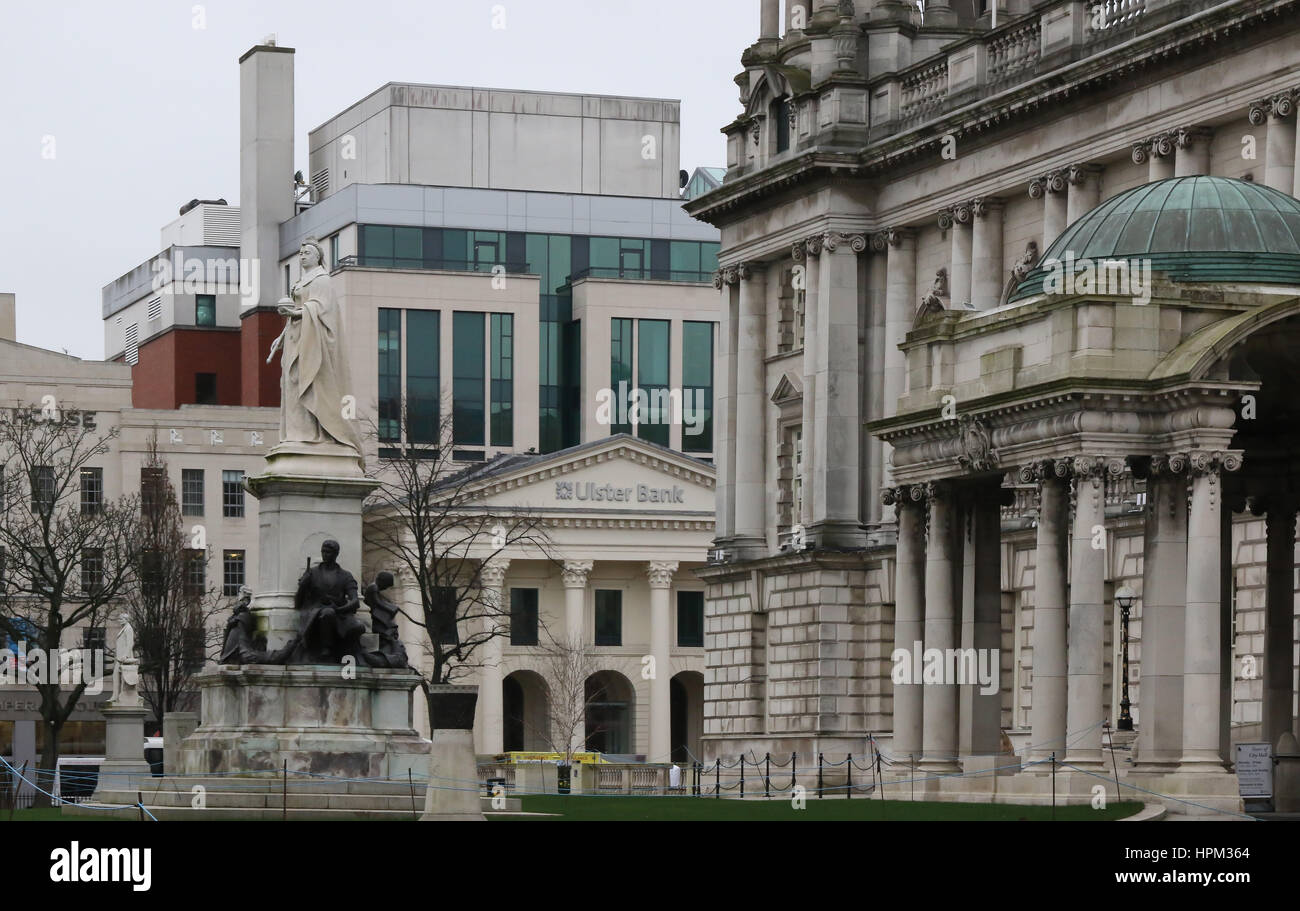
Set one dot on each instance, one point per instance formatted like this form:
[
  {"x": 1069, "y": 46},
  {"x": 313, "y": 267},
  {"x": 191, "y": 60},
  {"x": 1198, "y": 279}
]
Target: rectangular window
[
  {"x": 796, "y": 483},
  {"x": 92, "y": 569},
  {"x": 652, "y": 378},
  {"x": 523, "y": 616},
  {"x": 205, "y": 309},
  {"x": 205, "y": 389},
  {"x": 620, "y": 373},
  {"x": 152, "y": 575},
  {"x": 690, "y": 619},
  {"x": 684, "y": 261},
  {"x": 334, "y": 252},
  {"x": 390, "y": 374},
  {"x": 609, "y": 617},
  {"x": 697, "y": 387},
  {"x": 467, "y": 391},
  {"x": 503, "y": 379},
  {"x": 444, "y": 615},
  {"x": 153, "y": 485},
  {"x": 288, "y": 282},
  {"x": 92, "y": 491},
  {"x": 196, "y": 573},
  {"x": 232, "y": 572},
  {"x": 423, "y": 328},
  {"x": 191, "y": 491},
  {"x": 43, "y": 492},
  {"x": 95, "y": 638},
  {"x": 232, "y": 494}
]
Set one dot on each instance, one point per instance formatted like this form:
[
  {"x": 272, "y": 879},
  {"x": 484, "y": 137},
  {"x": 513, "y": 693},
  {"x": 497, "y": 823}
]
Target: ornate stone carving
[
  {"x": 574, "y": 574},
  {"x": 661, "y": 572},
  {"x": 933, "y": 300},
  {"x": 755, "y": 130},
  {"x": 814, "y": 245},
  {"x": 977, "y": 452},
  {"x": 879, "y": 241},
  {"x": 717, "y": 279},
  {"x": 961, "y": 213},
  {"x": 1186, "y": 137},
  {"x": 1022, "y": 267},
  {"x": 798, "y": 251},
  {"x": 981, "y": 206},
  {"x": 492, "y": 575},
  {"x": 1077, "y": 174},
  {"x": 945, "y": 219},
  {"x": 857, "y": 242},
  {"x": 1140, "y": 152},
  {"x": 896, "y": 236}
]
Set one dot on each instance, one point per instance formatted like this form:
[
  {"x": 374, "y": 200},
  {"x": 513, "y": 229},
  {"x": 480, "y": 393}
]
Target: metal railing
[
  {"x": 432, "y": 265},
  {"x": 651, "y": 274}
]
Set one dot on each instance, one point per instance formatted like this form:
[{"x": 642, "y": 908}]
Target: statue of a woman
[{"x": 314, "y": 366}]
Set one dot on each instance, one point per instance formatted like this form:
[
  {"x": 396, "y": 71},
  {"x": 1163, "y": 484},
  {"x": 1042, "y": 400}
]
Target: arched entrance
[
  {"x": 525, "y": 707},
  {"x": 686, "y": 695},
  {"x": 611, "y": 705}
]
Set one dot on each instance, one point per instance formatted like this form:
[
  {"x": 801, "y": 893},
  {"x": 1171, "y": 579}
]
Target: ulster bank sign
[{"x": 608, "y": 493}]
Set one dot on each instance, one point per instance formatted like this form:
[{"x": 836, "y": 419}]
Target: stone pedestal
[
  {"x": 258, "y": 717},
  {"x": 176, "y": 727},
  {"x": 124, "y": 763},
  {"x": 307, "y": 495},
  {"x": 453, "y": 792}
]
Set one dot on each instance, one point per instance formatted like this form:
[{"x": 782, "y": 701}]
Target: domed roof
[{"x": 1193, "y": 228}]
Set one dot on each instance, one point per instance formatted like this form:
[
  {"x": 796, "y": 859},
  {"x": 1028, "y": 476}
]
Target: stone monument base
[
  {"x": 124, "y": 766},
  {"x": 257, "y": 718}
]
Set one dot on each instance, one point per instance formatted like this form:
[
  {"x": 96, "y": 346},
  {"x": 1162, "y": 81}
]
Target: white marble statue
[
  {"x": 126, "y": 666},
  {"x": 316, "y": 403}
]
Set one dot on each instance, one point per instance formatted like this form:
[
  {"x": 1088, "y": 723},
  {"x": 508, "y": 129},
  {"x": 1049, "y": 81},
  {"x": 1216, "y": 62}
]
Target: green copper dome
[{"x": 1195, "y": 229}]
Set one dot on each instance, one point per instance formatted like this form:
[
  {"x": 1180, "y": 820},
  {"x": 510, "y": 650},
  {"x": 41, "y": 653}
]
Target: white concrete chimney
[
  {"x": 8, "y": 324},
  {"x": 265, "y": 165}
]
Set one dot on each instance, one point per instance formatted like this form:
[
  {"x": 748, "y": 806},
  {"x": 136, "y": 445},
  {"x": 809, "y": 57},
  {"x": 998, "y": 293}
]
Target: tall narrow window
[
  {"x": 467, "y": 378},
  {"x": 92, "y": 569},
  {"x": 503, "y": 379},
  {"x": 390, "y": 374},
  {"x": 796, "y": 482},
  {"x": 652, "y": 378},
  {"x": 205, "y": 309},
  {"x": 609, "y": 617},
  {"x": 196, "y": 573},
  {"x": 191, "y": 491},
  {"x": 232, "y": 494},
  {"x": 620, "y": 374},
  {"x": 697, "y": 387},
  {"x": 423, "y": 334},
  {"x": 92, "y": 491},
  {"x": 153, "y": 484},
  {"x": 232, "y": 572},
  {"x": 523, "y": 616},
  {"x": 781, "y": 123},
  {"x": 690, "y": 619}
]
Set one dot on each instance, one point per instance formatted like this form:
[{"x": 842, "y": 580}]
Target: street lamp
[{"x": 1125, "y": 597}]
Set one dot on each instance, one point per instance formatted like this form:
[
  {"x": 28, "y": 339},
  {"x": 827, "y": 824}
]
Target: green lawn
[{"x": 705, "y": 809}]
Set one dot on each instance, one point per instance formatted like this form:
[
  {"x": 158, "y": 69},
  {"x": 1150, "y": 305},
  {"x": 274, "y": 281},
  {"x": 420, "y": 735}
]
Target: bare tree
[
  {"x": 172, "y": 608},
  {"x": 430, "y": 517},
  {"x": 566, "y": 666},
  {"x": 67, "y": 552}
]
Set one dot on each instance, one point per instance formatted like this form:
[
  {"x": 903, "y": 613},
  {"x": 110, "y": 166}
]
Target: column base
[
  {"x": 743, "y": 547},
  {"x": 838, "y": 533}
]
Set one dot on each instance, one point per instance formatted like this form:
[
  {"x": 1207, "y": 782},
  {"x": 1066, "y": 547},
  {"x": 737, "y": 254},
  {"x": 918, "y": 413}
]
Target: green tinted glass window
[
  {"x": 422, "y": 381},
  {"x": 467, "y": 378}
]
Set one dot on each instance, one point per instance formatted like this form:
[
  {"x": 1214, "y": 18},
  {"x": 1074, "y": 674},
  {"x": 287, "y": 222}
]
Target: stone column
[
  {"x": 900, "y": 306},
  {"x": 1192, "y": 156},
  {"x": 837, "y": 419},
  {"x": 1084, "y": 194},
  {"x": 492, "y": 577},
  {"x": 939, "y": 722},
  {"x": 750, "y": 486},
  {"x": 1051, "y": 189},
  {"x": 661, "y": 581},
  {"x": 1279, "y": 624},
  {"x": 1201, "y": 656},
  {"x": 980, "y": 732},
  {"x": 1086, "y": 648},
  {"x": 574, "y": 577},
  {"x": 1047, "y": 716},
  {"x": 909, "y": 614},
  {"x": 1157, "y": 154},
  {"x": 1279, "y": 142},
  {"x": 769, "y": 19},
  {"x": 957, "y": 221},
  {"x": 724, "y": 446},
  {"x": 1164, "y": 588},
  {"x": 871, "y": 313},
  {"x": 986, "y": 253},
  {"x": 809, "y": 252}
]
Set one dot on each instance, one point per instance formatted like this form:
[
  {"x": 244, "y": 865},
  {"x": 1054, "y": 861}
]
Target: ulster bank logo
[{"x": 608, "y": 493}]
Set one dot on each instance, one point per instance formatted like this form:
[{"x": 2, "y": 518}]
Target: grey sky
[{"x": 142, "y": 106}]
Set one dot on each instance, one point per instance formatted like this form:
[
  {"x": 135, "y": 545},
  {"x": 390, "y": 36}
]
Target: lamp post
[{"x": 1124, "y": 597}]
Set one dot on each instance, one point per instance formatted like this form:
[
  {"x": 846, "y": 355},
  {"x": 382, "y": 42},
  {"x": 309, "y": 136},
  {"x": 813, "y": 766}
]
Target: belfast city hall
[{"x": 1008, "y": 458}]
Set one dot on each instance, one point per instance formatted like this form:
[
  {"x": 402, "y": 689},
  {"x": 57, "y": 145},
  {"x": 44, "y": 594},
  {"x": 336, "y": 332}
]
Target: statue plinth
[
  {"x": 309, "y": 493},
  {"x": 315, "y": 718}
]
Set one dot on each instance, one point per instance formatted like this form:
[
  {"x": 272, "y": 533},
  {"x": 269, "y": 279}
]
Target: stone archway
[
  {"x": 525, "y": 712},
  {"x": 686, "y": 694},
  {"x": 610, "y": 714}
]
